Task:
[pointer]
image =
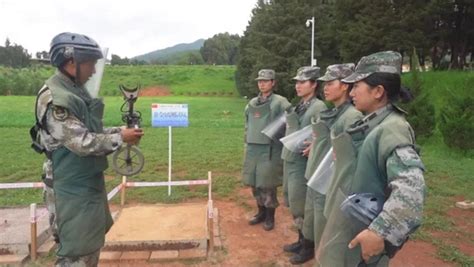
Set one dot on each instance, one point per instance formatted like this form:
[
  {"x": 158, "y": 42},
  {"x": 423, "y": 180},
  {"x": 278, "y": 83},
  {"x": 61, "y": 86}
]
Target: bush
[
  {"x": 421, "y": 111},
  {"x": 457, "y": 122}
]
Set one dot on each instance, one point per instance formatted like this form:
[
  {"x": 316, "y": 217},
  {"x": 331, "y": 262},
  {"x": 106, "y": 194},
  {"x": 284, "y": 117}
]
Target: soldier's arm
[
  {"x": 112, "y": 130},
  {"x": 75, "y": 136},
  {"x": 402, "y": 212}
]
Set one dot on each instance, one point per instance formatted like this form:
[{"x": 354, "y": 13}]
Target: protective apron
[
  {"x": 294, "y": 183},
  {"x": 333, "y": 249},
  {"x": 262, "y": 164},
  {"x": 83, "y": 215}
]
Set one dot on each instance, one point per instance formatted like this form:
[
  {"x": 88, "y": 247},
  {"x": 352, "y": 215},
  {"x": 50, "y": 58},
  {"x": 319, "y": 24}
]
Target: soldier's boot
[
  {"x": 295, "y": 247},
  {"x": 305, "y": 254},
  {"x": 269, "y": 219},
  {"x": 259, "y": 217}
]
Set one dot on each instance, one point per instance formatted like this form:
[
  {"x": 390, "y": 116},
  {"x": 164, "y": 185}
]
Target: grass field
[{"x": 214, "y": 141}]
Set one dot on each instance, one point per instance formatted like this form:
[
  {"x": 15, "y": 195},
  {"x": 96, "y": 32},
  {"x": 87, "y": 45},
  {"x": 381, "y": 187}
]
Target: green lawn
[{"x": 212, "y": 142}]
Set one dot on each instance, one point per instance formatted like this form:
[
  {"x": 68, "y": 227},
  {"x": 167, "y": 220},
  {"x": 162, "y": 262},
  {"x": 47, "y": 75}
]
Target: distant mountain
[{"x": 170, "y": 52}]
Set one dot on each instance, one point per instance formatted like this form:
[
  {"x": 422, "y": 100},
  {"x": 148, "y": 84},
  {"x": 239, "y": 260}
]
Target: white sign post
[{"x": 169, "y": 115}]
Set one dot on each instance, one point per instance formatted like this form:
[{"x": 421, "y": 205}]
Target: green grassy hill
[{"x": 180, "y": 80}]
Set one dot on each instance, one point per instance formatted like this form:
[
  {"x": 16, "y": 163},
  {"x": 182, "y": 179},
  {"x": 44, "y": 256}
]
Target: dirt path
[
  {"x": 155, "y": 91},
  {"x": 252, "y": 246}
]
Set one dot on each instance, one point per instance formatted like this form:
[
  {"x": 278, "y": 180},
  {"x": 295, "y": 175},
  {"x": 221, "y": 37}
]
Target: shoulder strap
[
  {"x": 41, "y": 122},
  {"x": 36, "y": 145}
]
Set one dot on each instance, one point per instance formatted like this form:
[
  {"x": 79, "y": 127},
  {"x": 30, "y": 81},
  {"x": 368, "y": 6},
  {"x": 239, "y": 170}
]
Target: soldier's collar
[
  {"x": 66, "y": 77},
  {"x": 334, "y": 112},
  {"x": 376, "y": 113},
  {"x": 311, "y": 100},
  {"x": 366, "y": 124},
  {"x": 265, "y": 97},
  {"x": 68, "y": 80}
]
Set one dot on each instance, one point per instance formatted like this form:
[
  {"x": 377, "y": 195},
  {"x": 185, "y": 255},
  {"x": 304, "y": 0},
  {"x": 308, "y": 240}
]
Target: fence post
[{"x": 34, "y": 243}]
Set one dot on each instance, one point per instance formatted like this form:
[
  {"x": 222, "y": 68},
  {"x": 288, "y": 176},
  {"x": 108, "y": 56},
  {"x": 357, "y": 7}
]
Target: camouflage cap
[
  {"x": 386, "y": 61},
  {"x": 338, "y": 72},
  {"x": 266, "y": 74},
  {"x": 307, "y": 73}
]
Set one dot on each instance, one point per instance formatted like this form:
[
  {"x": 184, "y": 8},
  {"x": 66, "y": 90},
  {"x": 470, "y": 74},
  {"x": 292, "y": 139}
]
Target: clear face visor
[{"x": 93, "y": 84}]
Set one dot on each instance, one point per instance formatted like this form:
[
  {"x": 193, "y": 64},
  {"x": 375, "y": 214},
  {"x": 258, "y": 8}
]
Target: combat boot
[
  {"x": 269, "y": 219},
  {"x": 259, "y": 217},
  {"x": 295, "y": 247},
  {"x": 305, "y": 254}
]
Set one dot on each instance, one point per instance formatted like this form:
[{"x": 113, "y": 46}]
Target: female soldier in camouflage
[
  {"x": 262, "y": 165},
  {"x": 333, "y": 120},
  {"x": 376, "y": 161},
  {"x": 294, "y": 163}
]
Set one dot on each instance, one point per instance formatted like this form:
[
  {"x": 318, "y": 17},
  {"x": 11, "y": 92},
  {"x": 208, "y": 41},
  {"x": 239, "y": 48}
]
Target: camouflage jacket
[
  {"x": 388, "y": 165},
  {"x": 62, "y": 128}
]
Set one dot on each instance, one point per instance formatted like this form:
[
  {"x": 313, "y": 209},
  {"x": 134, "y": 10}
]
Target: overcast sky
[{"x": 128, "y": 28}]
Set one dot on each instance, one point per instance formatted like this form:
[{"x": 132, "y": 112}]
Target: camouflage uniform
[
  {"x": 377, "y": 156},
  {"x": 262, "y": 164},
  {"x": 62, "y": 129},
  {"x": 294, "y": 164},
  {"x": 335, "y": 120}
]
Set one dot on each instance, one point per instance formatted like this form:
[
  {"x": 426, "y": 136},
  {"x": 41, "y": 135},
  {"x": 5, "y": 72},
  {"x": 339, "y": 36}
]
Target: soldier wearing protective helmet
[{"x": 69, "y": 131}]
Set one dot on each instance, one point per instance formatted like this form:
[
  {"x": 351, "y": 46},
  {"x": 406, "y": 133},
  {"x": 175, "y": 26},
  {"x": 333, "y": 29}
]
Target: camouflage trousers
[
  {"x": 50, "y": 201},
  {"x": 266, "y": 197},
  {"x": 90, "y": 260}
]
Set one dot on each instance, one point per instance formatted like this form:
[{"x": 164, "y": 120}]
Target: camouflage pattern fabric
[
  {"x": 386, "y": 61},
  {"x": 77, "y": 130},
  {"x": 266, "y": 74},
  {"x": 90, "y": 260},
  {"x": 307, "y": 73},
  {"x": 266, "y": 197},
  {"x": 337, "y": 72},
  {"x": 403, "y": 210},
  {"x": 73, "y": 134}
]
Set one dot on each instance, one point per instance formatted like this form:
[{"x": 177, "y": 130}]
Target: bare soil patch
[{"x": 155, "y": 91}]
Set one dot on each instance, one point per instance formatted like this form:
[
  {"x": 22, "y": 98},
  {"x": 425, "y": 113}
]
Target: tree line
[
  {"x": 221, "y": 49},
  {"x": 14, "y": 55},
  {"x": 438, "y": 31}
]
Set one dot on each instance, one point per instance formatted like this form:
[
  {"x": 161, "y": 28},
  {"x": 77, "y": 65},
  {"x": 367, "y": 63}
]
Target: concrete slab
[
  {"x": 110, "y": 255},
  {"x": 6, "y": 260},
  {"x": 195, "y": 253},
  {"x": 159, "y": 227},
  {"x": 15, "y": 229},
  {"x": 135, "y": 255},
  {"x": 47, "y": 247},
  {"x": 164, "y": 255}
]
